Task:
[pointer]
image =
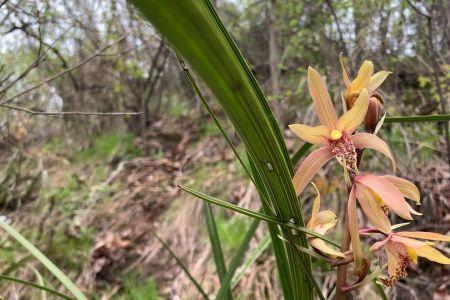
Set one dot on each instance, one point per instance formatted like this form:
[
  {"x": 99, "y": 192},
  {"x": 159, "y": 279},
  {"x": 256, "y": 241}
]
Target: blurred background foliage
[{"x": 88, "y": 190}]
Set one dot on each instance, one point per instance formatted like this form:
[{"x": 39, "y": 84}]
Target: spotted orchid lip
[{"x": 345, "y": 152}]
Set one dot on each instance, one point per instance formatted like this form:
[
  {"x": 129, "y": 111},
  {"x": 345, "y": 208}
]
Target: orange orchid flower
[
  {"x": 386, "y": 192},
  {"x": 364, "y": 80},
  {"x": 334, "y": 133},
  {"x": 403, "y": 248},
  {"x": 375, "y": 194},
  {"x": 321, "y": 222}
]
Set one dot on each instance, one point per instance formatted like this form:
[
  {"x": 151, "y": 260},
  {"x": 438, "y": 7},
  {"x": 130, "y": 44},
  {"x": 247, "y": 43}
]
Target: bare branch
[
  {"x": 417, "y": 10},
  {"x": 63, "y": 72},
  {"x": 68, "y": 113},
  {"x": 3, "y": 2},
  {"x": 36, "y": 62}
]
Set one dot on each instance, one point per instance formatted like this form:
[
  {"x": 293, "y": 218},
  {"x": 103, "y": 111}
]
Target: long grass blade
[
  {"x": 379, "y": 290},
  {"x": 40, "y": 281},
  {"x": 216, "y": 246},
  {"x": 256, "y": 253},
  {"x": 300, "y": 153},
  {"x": 182, "y": 266},
  {"x": 406, "y": 119},
  {"x": 308, "y": 251},
  {"x": 34, "y": 285},
  {"x": 44, "y": 260},
  {"x": 234, "y": 264},
  {"x": 301, "y": 249},
  {"x": 254, "y": 214},
  {"x": 285, "y": 270},
  {"x": 15, "y": 265}
]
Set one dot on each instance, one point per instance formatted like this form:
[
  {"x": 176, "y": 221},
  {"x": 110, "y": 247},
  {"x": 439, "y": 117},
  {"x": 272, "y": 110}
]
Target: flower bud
[
  {"x": 373, "y": 112},
  {"x": 363, "y": 270}
]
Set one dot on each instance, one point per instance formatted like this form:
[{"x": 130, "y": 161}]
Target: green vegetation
[
  {"x": 136, "y": 289},
  {"x": 107, "y": 145}
]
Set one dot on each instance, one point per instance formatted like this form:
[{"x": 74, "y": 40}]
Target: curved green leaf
[
  {"x": 44, "y": 260},
  {"x": 36, "y": 286}
]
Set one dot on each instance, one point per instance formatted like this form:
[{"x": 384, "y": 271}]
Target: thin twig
[
  {"x": 67, "y": 113},
  {"x": 63, "y": 72},
  {"x": 417, "y": 10},
  {"x": 37, "y": 61}
]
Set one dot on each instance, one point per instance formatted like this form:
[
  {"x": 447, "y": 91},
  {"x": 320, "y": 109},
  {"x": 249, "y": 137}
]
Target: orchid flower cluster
[{"x": 378, "y": 196}]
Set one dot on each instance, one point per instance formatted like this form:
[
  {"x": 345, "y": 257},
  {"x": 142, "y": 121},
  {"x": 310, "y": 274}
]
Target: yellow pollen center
[{"x": 335, "y": 135}]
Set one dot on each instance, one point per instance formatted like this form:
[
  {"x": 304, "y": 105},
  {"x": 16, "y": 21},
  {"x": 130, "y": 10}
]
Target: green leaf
[
  {"x": 40, "y": 281},
  {"x": 15, "y": 265},
  {"x": 379, "y": 290},
  {"x": 216, "y": 246},
  {"x": 300, "y": 153},
  {"x": 183, "y": 267},
  {"x": 301, "y": 249},
  {"x": 225, "y": 284},
  {"x": 259, "y": 249},
  {"x": 406, "y": 119},
  {"x": 34, "y": 285},
  {"x": 254, "y": 214},
  {"x": 44, "y": 260}
]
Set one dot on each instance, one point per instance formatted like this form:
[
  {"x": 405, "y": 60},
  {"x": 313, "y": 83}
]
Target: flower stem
[{"x": 341, "y": 273}]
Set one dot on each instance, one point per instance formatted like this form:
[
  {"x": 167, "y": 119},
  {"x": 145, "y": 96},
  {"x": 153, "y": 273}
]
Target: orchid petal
[
  {"x": 376, "y": 80},
  {"x": 355, "y": 116},
  {"x": 344, "y": 72},
  {"x": 409, "y": 242},
  {"x": 323, "y": 221},
  {"x": 313, "y": 135},
  {"x": 406, "y": 187},
  {"x": 377, "y": 246},
  {"x": 372, "y": 208},
  {"x": 323, "y": 247},
  {"x": 431, "y": 236},
  {"x": 309, "y": 167},
  {"x": 353, "y": 229},
  {"x": 325, "y": 217},
  {"x": 367, "y": 140},
  {"x": 396, "y": 226},
  {"x": 344, "y": 103},
  {"x": 315, "y": 208},
  {"x": 322, "y": 100},
  {"x": 432, "y": 254},
  {"x": 364, "y": 74},
  {"x": 390, "y": 195},
  {"x": 413, "y": 211},
  {"x": 392, "y": 257},
  {"x": 412, "y": 253}
]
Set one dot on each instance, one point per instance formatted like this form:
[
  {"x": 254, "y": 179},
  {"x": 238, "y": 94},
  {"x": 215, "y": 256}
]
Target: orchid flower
[
  {"x": 334, "y": 133},
  {"x": 385, "y": 192},
  {"x": 321, "y": 222},
  {"x": 364, "y": 80},
  {"x": 375, "y": 195},
  {"x": 402, "y": 248}
]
